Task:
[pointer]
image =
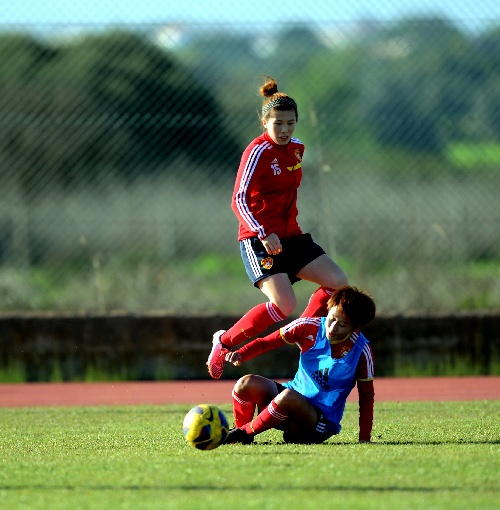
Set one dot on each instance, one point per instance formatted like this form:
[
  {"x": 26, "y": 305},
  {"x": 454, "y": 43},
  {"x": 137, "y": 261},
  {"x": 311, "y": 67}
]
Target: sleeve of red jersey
[
  {"x": 261, "y": 345},
  {"x": 301, "y": 331},
  {"x": 244, "y": 194},
  {"x": 366, "y": 403},
  {"x": 366, "y": 393}
]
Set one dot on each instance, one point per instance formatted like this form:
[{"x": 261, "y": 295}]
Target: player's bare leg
[{"x": 325, "y": 272}]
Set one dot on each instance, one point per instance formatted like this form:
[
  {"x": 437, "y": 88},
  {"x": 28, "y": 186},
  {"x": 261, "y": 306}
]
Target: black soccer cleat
[{"x": 237, "y": 435}]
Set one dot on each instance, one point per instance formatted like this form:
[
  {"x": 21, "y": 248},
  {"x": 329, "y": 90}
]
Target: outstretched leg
[{"x": 281, "y": 303}]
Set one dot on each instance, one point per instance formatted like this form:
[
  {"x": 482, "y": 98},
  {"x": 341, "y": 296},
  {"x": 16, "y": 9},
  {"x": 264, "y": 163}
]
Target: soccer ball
[{"x": 205, "y": 427}]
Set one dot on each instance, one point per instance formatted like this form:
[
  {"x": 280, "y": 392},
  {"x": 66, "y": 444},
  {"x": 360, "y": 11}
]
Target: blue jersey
[{"x": 325, "y": 381}]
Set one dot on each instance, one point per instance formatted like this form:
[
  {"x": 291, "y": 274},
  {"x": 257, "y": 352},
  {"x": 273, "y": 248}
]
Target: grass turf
[{"x": 427, "y": 455}]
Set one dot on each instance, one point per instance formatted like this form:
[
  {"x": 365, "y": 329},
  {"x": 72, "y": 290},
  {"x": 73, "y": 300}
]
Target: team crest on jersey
[
  {"x": 267, "y": 263},
  {"x": 345, "y": 351},
  {"x": 298, "y": 157}
]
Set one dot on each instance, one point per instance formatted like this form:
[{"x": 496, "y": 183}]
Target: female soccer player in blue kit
[
  {"x": 334, "y": 357},
  {"x": 275, "y": 251}
]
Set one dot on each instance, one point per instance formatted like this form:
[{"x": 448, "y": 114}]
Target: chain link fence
[{"x": 120, "y": 145}]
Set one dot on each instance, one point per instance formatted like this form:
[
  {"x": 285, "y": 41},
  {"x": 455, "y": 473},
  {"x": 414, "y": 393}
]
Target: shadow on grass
[
  {"x": 239, "y": 488},
  {"x": 385, "y": 443}
]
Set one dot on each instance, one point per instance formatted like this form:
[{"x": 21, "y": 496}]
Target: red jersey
[{"x": 265, "y": 192}]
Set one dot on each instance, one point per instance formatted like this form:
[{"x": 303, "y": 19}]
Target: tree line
[
  {"x": 118, "y": 104},
  {"x": 417, "y": 84},
  {"x": 111, "y": 104}
]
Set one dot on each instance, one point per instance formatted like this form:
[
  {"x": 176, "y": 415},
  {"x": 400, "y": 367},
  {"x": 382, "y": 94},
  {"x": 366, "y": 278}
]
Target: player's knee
[
  {"x": 288, "y": 398},
  {"x": 333, "y": 276},
  {"x": 286, "y": 304},
  {"x": 336, "y": 279},
  {"x": 340, "y": 280},
  {"x": 243, "y": 384}
]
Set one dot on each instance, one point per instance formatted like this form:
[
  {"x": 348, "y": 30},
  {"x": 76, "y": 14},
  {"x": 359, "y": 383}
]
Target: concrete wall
[{"x": 158, "y": 346}]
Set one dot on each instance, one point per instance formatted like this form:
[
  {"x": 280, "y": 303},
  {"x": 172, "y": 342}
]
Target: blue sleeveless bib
[{"x": 325, "y": 381}]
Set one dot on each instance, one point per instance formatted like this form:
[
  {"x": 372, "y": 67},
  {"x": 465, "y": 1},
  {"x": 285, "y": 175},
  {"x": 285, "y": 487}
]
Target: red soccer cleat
[{"x": 217, "y": 357}]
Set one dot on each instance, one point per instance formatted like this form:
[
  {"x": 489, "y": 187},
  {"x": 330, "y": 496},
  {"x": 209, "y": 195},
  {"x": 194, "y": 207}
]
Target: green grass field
[{"x": 427, "y": 456}]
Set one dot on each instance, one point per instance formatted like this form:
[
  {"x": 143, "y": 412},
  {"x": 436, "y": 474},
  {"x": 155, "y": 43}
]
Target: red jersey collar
[{"x": 274, "y": 144}]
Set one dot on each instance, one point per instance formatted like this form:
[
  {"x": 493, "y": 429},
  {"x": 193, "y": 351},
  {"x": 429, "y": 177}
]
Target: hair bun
[{"x": 269, "y": 88}]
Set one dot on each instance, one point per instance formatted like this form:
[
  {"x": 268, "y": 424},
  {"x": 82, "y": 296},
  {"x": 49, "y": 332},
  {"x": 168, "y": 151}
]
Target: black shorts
[
  {"x": 297, "y": 252},
  {"x": 323, "y": 428}
]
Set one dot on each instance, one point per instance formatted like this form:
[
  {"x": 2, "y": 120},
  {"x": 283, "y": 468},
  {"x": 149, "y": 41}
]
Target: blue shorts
[
  {"x": 323, "y": 428},
  {"x": 322, "y": 431},
  {"x": 297, "y": 252}
]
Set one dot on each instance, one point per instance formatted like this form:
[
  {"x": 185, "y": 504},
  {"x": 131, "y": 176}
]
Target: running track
[{"x": 219, "y": 392}]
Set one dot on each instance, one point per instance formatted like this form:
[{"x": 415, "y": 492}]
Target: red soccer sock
[
  {"x": 317, "y": 306},
  {"x": 269, "y": 418},
  {"x": 243, "y": 410},
  {"x": 255, "y": 321}
]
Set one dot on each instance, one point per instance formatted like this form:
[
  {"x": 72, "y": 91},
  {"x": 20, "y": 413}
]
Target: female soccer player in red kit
[
  {"x": 334, "y": 356},
  {"x": 275, "y": 251}
]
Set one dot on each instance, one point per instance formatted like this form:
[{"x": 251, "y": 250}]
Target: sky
[{"x": 473, "y": 14}]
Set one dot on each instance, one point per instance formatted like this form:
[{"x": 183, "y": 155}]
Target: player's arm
[
  {"x": 366, "y": 394},
  {"x": 256, "y": 348},
  {"x": 301, "y": 331},
  {"x": 246, "y": 202}
]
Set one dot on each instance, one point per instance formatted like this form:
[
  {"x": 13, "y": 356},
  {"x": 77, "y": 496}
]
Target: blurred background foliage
[{"x": 120, "y": 146}]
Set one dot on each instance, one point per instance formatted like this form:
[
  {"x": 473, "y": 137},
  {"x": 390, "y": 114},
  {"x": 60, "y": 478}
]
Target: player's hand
[
  {"x": 272, "y": 244},
  {"x": 235, "y": 358}
]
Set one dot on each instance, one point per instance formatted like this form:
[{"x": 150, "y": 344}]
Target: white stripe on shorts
[{"x": 252, "y": 258}]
